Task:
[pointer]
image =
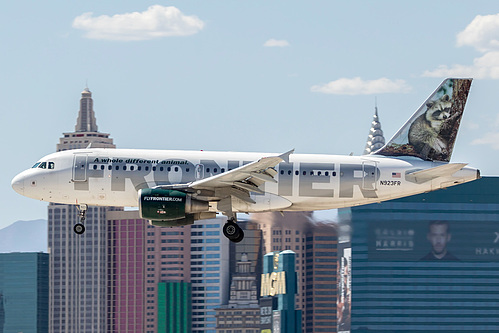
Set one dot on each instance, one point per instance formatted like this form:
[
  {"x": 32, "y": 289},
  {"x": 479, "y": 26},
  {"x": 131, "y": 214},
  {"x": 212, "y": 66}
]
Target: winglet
[
  {"x": 431, "y": 131},
  {"x": 285, "y": 156}
]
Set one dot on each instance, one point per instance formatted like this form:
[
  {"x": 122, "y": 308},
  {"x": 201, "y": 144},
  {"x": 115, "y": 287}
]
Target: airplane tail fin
[{"x": 431, "y": 131}]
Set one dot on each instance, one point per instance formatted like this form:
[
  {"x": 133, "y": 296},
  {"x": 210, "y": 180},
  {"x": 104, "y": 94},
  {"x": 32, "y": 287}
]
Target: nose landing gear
[
  {"x": 232, "y": 231},
  {"x": 79, "y": 228}
]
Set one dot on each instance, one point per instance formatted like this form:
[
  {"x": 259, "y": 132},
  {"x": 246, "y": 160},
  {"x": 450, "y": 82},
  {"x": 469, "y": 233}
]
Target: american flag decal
[{"x": 395, "y": 174}]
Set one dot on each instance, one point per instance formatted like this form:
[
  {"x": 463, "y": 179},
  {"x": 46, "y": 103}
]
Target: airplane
[{"x": 173, "y": 188}]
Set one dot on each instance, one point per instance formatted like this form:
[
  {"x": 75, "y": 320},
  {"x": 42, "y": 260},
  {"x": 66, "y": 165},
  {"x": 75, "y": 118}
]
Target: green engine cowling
[{"x": 169, "y": 207}]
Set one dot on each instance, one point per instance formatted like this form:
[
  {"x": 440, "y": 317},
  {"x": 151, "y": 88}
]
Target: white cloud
[
  {"x": 276, "y": 43},
  {"x": 357, "y": 86},
  {"x": 491, "y": 139},
  {"x": 157, "y": 21},
  {"x": 483, "y": 35}
]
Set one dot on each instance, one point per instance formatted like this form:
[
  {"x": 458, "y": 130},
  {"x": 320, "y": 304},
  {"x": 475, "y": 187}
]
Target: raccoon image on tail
[
  {"x": 431, "y": 132},
  {"x": 424, "y": 133}
]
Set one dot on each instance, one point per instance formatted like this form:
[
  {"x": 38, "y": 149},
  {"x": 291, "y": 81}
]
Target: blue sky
[{"x": 239, "y": 76}]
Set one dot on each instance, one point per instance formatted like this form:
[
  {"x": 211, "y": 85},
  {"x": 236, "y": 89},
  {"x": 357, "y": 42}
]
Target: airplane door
[
  {"x": 199, "y": 171},
  {"x": 370, "y": 178},
  {"x": 80, "y": 168}
]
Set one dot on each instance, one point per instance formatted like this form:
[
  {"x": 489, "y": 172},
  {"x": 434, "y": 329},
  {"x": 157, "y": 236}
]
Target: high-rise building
[
  {"x": 126, "y": 272},
  {"x": 242, "y": 313},
  {"x": 279, "y": 282},
  {"x": 174, "y": 307},
  {"x": 375, "y": 139},
  {"x": 167, "y": 260},
  {"x": 428, "y": 263},
  {"x": 78, "y": 263},
  {"x": 209, "y": 272},
  {"x": 315, "y": 246},
  {"x": 149, "y": 271},
  {"x": 24, "y": 290},
  {"x": 85, "y": 133},
  {"x": 321, "y": 279}
]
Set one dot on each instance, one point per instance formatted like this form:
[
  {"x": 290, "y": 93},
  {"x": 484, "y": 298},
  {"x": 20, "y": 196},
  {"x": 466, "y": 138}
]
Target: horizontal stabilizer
[{"x": 422, "y": 176}]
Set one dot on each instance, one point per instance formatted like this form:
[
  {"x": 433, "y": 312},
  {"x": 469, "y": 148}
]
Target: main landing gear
[
  {"x": 79, "y": 228},
  {"x": 232, "y": 231}
]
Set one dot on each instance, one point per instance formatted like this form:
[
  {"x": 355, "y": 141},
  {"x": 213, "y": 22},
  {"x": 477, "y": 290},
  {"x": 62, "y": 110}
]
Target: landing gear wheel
[
  {"x": 233, "y": 232},
  {"x": 79, "y": 228}
]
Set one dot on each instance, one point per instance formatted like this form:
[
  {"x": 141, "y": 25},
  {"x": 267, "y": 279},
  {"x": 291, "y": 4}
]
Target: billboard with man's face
[{"x": 434, "y": 240}]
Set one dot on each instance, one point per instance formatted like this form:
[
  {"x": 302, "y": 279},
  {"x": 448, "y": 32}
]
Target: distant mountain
[{"x": 24, "y": 236}]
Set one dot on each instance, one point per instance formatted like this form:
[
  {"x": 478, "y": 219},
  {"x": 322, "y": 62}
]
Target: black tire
[
  {"x": 230, "y": 229},
  {"x": 233, "y": 232},
  {"x": 79, "y": 228},
  {"x": 239, "y": 238}
]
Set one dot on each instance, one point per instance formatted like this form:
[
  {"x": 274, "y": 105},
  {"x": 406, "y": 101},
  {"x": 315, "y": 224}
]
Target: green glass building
[
  {"x": 24, "y": 292},
  {"x": 428, "y": 263},
  {"x": 174, "y": 307}
]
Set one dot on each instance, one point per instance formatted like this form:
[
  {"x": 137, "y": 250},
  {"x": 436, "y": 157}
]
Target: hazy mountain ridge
[{"x": 24, "y": 236}]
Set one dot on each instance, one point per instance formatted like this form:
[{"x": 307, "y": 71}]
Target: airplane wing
[
  {"x": 256, "y": 172},
  {"x": 422, "y": 176},
  {"x": 238, "y": 182}
]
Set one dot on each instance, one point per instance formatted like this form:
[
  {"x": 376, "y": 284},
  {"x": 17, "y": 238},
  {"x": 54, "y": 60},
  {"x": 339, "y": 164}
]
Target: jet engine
[{"x": 168, "y": 208}]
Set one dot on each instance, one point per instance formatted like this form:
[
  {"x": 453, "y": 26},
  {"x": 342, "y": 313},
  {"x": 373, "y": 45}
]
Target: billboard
[{"x": 434, "y": 240}]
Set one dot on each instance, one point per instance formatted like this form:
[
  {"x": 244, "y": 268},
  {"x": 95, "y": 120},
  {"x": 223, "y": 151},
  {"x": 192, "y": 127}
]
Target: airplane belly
[{"x": 263, "y": 203}]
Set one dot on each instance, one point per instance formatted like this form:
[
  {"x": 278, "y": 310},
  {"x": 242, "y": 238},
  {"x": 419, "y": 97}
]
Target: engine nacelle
[{"x": 169, "y": 205}]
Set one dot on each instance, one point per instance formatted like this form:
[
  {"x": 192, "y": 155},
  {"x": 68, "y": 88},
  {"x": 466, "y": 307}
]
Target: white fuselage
[{"x": 113, "y": 177}]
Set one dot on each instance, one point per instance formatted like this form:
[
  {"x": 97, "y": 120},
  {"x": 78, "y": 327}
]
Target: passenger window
[
  {"x": 297, "y": 172},
  {"x": 176, "y": 169},
  {"x": 95, "y": 167},
  {"x": 289, "y": 172},
  {"x": 132, "y": 168},
  {"x": 326, "y": 173},
  {"x": 102, "y": 167},
  {"x": 109, "y": 167}
]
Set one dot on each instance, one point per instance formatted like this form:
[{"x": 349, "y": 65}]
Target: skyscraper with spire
[
  {"x": 375, "y": 139},
  {"x": 85, "y": 133},
  {"x": 78, "y": 263}
]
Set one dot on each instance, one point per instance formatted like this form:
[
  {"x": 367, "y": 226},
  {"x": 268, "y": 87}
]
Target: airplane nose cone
[{"x": 18, "y": 184}]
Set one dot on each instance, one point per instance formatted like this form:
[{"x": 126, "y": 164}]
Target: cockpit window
[{"x": 44, "y": 165}]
